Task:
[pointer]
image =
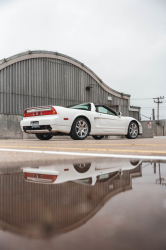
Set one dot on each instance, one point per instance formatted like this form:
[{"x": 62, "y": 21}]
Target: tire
[
  {"x": 82, "y": 167},
  {"x": 80, "y": 129},
  {"x": 132, "y": 130},
  {"x": 43, "y": 137},
  {"x": 98, "y": 137},
  {"x": 134, "y": 162}
]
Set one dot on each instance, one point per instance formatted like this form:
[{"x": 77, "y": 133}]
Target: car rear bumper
[
  {"x": 49, "y": 124},
  {"x": 53, "y": 130}
]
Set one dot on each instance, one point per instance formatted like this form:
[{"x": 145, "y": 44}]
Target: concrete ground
[{"x": 148, "y": 147}]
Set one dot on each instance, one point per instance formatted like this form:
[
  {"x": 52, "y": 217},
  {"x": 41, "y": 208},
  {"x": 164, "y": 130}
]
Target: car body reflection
[
  {"x": 87, "y": 173},
  {"x": 36, "y": 210}
]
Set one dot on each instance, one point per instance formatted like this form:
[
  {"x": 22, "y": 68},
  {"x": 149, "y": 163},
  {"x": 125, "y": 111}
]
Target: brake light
[
  {"x": 42, "y": 178},
  {"x": 39, "y": 111}
]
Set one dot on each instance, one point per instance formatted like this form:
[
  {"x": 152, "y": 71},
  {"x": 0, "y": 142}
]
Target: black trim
[{"x": 41, "y": 127}]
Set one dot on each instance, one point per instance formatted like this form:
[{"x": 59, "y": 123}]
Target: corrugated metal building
[{"x": 36, "y": 78}]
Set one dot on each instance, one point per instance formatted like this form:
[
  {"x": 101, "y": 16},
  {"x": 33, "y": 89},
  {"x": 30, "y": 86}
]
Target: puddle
[{"x": 98, "y": 204}]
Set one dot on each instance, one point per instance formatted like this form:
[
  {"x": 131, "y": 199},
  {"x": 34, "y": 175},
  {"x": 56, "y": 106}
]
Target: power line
[
  {"x": 147, "y": 107},
  {"x": 146, "y": 117},
  {"x": 158, "y": 102},
  {"x": 142, "y": 99},
  {"x": 153, "y": 107},
  {"x": 146, "y": 165}
]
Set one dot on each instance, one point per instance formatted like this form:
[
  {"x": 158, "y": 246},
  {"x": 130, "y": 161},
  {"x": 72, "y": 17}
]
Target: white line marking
[
  {"x": 147, "y": 157},
  {"x": 162, "y": 137}
]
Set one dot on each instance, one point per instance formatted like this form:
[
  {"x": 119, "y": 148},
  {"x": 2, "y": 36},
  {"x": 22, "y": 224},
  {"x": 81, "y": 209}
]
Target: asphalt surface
[{"x": 144, "y": 147}]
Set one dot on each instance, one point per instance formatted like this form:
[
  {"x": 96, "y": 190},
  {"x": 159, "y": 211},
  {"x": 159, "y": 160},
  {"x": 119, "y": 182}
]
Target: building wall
[
  {"x": 134, "y": 114},
  {"x": 10, "y": 127},
  {"x": 154, "y": 129},
  {"x": 48, "y": 81}
]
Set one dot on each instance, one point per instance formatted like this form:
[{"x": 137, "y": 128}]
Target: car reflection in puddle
[
  {"x": 83, "y": 173},
  {"x": 48, "y": 201}
]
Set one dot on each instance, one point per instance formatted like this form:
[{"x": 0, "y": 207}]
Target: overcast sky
[{"x": 122, "y": 41}]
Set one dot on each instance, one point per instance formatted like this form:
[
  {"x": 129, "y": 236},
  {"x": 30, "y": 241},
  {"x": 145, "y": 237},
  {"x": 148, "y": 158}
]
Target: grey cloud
[{"x": 123, "y": 42}]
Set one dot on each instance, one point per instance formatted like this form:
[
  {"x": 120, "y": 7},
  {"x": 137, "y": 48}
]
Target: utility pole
[
  {"x": 158, "y": 102},
  {"x": 154, "y": 167},
  {"x": 153, "y": 114},
  {"x": 160, "y": 180}
]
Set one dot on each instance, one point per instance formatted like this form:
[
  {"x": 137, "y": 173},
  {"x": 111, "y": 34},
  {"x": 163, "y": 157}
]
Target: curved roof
[{"x": 50, "y": 54}]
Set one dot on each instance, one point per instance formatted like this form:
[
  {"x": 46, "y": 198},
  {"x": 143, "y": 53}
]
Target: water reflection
[
  {"x": 87, "y": 173},
  {"x": 157, "y": 165},
  {"x": 31, "y": 204},
  {"x": 160, "y": 180}
]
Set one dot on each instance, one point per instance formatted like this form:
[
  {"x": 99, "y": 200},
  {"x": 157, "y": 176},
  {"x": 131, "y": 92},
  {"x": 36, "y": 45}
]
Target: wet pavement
[
  {"x": 78, "y": 203},
  {"x": 147, "y": 146},
  {"x": 35, "y": 152}
]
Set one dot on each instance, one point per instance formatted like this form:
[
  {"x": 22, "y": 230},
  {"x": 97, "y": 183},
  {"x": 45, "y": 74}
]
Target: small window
[
  {"x": 87, "y": 181},
  {"x": 108, "y": 176},
  {"x": 84, "y": 106},
  {"x": 103, "y": 176}
]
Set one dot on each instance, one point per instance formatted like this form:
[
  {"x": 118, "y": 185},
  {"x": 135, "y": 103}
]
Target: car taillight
[
  {"x": 39, "y": 111},
  {"x": 42, "y": 178}
]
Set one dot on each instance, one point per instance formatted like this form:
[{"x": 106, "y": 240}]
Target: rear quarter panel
[{"x": 72, "y": 114}]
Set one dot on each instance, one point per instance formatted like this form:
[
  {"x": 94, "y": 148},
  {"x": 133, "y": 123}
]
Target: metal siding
[
  {"x": 1, "y": 103},
  {"x": 43, "y": 81},
  {"x": 134, "y": 114}
]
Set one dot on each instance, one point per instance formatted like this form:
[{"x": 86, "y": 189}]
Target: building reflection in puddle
[
  {"x": 47, "y": 201},
  {"x": 55, "y": 199}
]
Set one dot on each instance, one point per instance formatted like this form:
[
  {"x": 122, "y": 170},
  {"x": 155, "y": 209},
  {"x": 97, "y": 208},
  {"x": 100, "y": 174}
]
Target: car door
[{"x": 110, "y": 121}]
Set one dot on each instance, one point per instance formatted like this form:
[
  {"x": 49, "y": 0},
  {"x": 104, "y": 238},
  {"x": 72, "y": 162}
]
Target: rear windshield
[{"x": 84, "y": 106}]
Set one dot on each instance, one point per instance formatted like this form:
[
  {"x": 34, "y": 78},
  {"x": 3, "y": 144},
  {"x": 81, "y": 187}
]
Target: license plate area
[{"x": 35, "y": 125}]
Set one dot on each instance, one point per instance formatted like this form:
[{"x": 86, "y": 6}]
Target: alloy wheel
[
  {"x": 133, "y": 130},
  {"x": 81, "y": 128}
]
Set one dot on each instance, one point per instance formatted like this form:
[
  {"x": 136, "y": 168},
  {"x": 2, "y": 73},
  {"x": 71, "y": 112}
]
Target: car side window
[{"x": 104, "y": 110}]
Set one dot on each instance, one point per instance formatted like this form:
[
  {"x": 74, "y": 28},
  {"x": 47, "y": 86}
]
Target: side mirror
[{"x": 119, "y": 114}]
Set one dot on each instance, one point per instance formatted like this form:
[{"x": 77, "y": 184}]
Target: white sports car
[
  {"x": 78, "y": 122},
  {"x": 82, "y": 173}
]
